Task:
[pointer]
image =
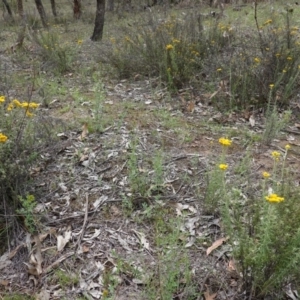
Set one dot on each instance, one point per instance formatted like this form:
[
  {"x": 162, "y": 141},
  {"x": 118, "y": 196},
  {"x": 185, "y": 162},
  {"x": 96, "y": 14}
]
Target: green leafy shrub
[
  {"x": 173, "y": 48},
  {"x": 19, "y": 148},
  {"x": 54, "y": 54},
  {"x": 253, "y": 217},
  {"x": 243, "y": 65}
]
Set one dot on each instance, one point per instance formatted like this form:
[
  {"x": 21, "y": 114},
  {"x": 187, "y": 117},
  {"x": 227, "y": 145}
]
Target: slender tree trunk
[
  {"x": 77, "y": 9},
  {"x": 8, "y": 8},
  {"x": 20, "y": 8},
  {"x": 99, "y": 21},
  {"x": 53, "y": 7},
  {"x": 40, "y": 8}
]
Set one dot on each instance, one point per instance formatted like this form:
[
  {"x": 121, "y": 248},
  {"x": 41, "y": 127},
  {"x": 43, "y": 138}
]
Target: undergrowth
[{"x": 195, "y": 49}]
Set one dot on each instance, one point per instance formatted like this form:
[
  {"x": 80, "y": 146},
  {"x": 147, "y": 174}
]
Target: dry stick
[
  {"x": 257, "y": 26},
  {"x": 84, "y": 223}
]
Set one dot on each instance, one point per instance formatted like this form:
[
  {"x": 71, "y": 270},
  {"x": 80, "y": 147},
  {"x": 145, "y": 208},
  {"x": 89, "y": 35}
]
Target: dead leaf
[
  {"x": 62, "y": 241},
  {"x": 231, "y": 266},
  {"x": 214, "y": 94},
  {"x": 43, "y": 295},
  {"x": 4, "y": 282},
  {"x": 190, "y": 107},
  {"x": 4, "y": 261},
  {"x": 252, "y": 121},
  {"x": 142, "y": 238},
  {"x": 215, "y": 245},
  {"x": 208, "y": 295},
  {"x": 84, "y": 132},
  {"x": 38, "y": 255}
]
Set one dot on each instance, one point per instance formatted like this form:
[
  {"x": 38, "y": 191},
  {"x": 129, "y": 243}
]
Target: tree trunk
[
  {"x": 20, "y": 8},
  {"x": 99, "y": 21},
  {"x": 110, "y": 5},
  {"x": 8, "y": 8},
  {"x": 40, "y": 8},
  {"x": 77, "y": 9},
  {"x": 53, "y": 7}
]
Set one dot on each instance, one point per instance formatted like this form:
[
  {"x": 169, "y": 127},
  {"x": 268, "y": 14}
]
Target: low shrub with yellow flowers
[
  {"x": 173, "y": 49},
  {"x": 261, "y": 221},
  {"x": 17, "y": 151}
]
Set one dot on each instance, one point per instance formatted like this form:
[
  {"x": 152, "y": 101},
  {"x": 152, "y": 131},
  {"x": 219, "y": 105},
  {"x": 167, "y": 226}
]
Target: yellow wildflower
[
  {"x": 223, "y": 167},
  {"x": 274, "y": 198},
  {"x": 169, "y": 47},
  {"x": 3, "y": 138},
  {"x": 225, "y": 142},
  {"x": 29, "y": 114},
  {"x": 257, "y": 60},
  {"x": 2, "y": 99},
  {"x": 271, "y": 85},
  {"x": 287, "y": 147},
  {"x": 268, "y": 22},
  {"x": 219, "y": 70},
  {"x": 175, "y": 41},
  {"x": 266, "y": 175},
  {"x": 25, "y": 104},
  {"x": 10, "y": 106},
  {"x": 276, "y": 155},
  {"x": 284, "y": 71},
  {"x": 79, "y": 42},
  {"x": 16, "y": 103},
  {"x": 33, "y": 105},
  {"x": 289, "y": 58}
]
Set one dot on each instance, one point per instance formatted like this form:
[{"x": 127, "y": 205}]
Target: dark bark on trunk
[
  {"x": 53, "y": 7},
  {"x": 40, "y": 8},
  {"x": 99, "y": 21},
  {"x": 77, "y": 9},
  {"x": 20, "y": 8},
  {"x": 7, "y": 8}
]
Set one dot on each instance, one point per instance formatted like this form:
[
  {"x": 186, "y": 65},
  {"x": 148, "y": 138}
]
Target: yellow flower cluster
[
  {"x": 2, "y": 99},
  {"x": 223, "y": 167},
  {"x": 274, "y": 198},
  {"x": 276, "y": 155},
  {"x": 268, "y": 22},
  {"x": 169, "y": 47},
  {"x": 225, "y": 142},
  {"x": 266, "y": 175},
  {"x": 3, "y": 138},
  {"x": 26, "y": 105}
]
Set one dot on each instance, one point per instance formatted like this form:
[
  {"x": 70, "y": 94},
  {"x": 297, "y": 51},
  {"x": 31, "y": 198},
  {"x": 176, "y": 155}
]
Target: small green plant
[
  {"x": 172, "y": 271},
  {"x": 55, "y": 54},
  {"x": 97, "y": 107},
  {"x": 65, "y": 279},
  {"x": 138, "y": 180},
  {"x": 266, "y": 260},
  {"x": 27, "y": 212},
  {"x": 17, "y": 297},
  {"x": 19, "y": 144},
  {"x": 274, "y": 124},
  {"x": 216, "y": 180}
]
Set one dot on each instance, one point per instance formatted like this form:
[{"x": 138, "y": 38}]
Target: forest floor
[{"x": 120, "y": 189}]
